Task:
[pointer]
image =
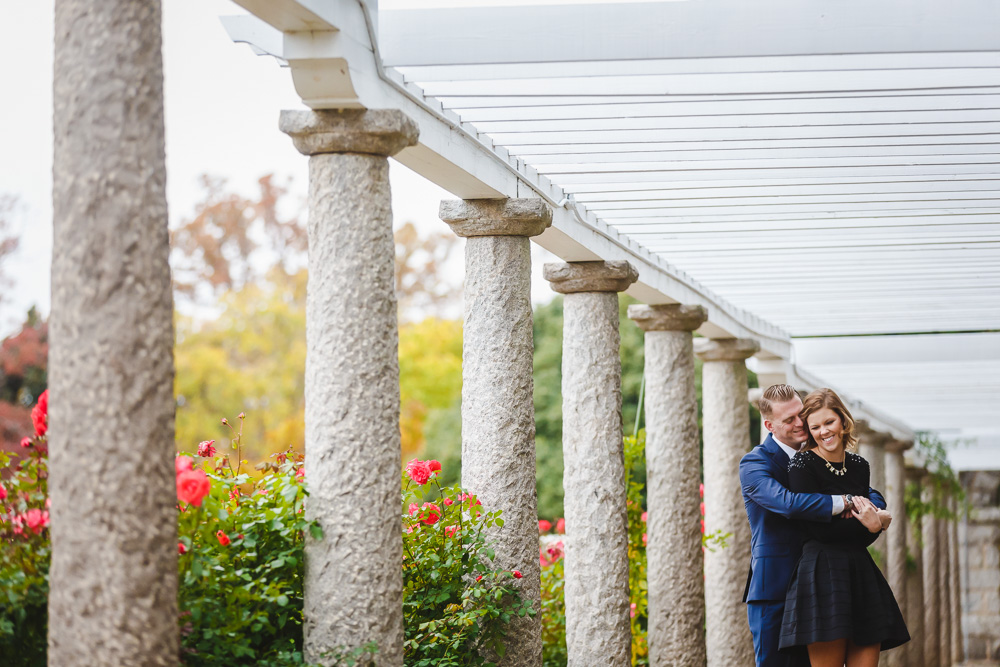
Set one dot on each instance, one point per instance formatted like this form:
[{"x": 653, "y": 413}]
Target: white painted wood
[
  {"x": 732, "y": 106},
  {"x": 715, "y": 29}
]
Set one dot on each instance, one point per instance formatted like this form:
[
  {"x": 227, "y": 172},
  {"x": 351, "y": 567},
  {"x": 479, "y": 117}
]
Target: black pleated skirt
[{"x": 837, "y": 592}]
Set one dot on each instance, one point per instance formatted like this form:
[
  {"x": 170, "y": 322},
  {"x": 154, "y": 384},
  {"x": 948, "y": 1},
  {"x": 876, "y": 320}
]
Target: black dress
[{"x": 837, "y": 591}]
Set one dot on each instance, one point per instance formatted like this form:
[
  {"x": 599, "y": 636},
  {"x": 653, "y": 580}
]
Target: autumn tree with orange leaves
[{"x": 244, "y": 258}]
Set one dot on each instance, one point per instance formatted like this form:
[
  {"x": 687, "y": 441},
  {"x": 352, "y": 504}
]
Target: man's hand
[{"x": 885, "y": 517}]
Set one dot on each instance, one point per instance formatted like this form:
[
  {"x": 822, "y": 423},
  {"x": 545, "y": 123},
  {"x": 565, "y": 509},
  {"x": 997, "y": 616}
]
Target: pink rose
[
  {"x": 222, "y": 537},
  {"x": 702, "y": 507},
  {"x": 544, "y": 526},
  {"x": 26, "y": 442},
  {"x": 300, "y": 474},
  {"x": 631, "y": 612},
  {"x": 413, "y": 509},
  {"x": 561, "y": 526},
  {"x": 3, "y": 493},
  {"x": 450, "y": 531},
  {"x": 418, "y": 471},
  {"x": 182, "y": 463},
  {"x": 36, "y": 519},
  {"x": 206, "y": 449},
  {"x": 434, "y": 466},
  {"x": 193, "y": 486},
  {"x": 448, "y": 502},
  {"x": 701, "y": 490},
  {"x": 645, "y": 516},
  {"x": 645, "y": 536},
  {"x": 40, "y": 414}
]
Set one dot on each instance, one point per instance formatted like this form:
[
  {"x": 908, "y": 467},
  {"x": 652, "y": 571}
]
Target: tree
[
  {"x": 23, "y": 378},
  {"x": 234, "y": 241},
  {"x": 421, "y": 287}
]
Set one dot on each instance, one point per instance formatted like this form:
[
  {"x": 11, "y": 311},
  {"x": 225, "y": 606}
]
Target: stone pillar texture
[
  {"x": 674, "y": 561},
  {"x": 596, "y": 585},
  {"x": 726, "y": 429},
  {"x": 113, "y": 576},
  {"x": 895, "y": 497},
  {"x": 981, "y": 564},
  {"x": 870, "y": 447},
  {"x": 353, "y": 586},
  {"x": 955, "y": 587},
  {"x": 498, "y": 418},
  {"x": 913, "y": 613},
  {"x": 932, "y": 592},
  {"x": 944, "y": 590}
]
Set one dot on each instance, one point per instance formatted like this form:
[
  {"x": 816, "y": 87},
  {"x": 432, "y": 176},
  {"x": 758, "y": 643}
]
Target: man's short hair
[{"x": 776, "y": 393}]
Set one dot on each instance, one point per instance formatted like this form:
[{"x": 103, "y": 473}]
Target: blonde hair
[
  {"x": 827, "y": 398},
  {"x": 776, "y": 393}
]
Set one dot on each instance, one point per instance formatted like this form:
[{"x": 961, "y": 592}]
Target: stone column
[
  {"x": 498, "y": 416},
  {"x": 955, "y": 586},
  {"x": 597, "y": 589},
  {"x": 674, "y": 560},
  {"x": 871, "y": 447},
  {"x": 944, "y": 588},
  {"x": 895, "y": 554},
  {"x": 727, "y": 439},
  {"x": 113, "y": 576},
  {"x": 914, "y": 610},
  {"x": 353, "y": 585},
  {"x": 932, "y": 594}
]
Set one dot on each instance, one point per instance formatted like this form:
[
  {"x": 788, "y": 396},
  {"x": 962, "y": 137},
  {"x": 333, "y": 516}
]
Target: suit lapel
[{"x": 779, "y": 457}]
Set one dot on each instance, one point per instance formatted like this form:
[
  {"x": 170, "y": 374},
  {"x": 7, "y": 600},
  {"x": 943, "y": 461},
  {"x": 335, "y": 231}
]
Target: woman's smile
[{"x": 827, "y": 430}]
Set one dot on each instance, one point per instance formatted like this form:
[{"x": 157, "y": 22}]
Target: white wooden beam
[{"x": 702, "y": 29}]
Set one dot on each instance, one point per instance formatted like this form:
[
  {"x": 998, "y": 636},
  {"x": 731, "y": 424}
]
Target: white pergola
[{"x": 823, "y": 178}]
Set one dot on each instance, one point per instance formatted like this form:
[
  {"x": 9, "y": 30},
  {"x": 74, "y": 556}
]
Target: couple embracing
[{"x": 814, "y": 595}]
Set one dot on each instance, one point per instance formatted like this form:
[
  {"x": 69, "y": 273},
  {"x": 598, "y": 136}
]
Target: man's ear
[{"x": 767, "y": 425}]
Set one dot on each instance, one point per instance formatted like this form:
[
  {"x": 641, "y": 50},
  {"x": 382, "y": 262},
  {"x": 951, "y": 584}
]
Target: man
[{"x": 776, "y": 543}]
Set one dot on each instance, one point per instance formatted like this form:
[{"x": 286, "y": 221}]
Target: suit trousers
[{"x": 765, "y": 625}]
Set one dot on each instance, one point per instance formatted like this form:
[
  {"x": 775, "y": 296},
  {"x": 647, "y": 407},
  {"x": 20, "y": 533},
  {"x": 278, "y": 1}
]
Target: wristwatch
[{"x": 849, "y": 501}]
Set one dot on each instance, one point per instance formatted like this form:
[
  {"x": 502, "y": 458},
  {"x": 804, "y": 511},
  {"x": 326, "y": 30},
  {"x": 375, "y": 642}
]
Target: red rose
[
  {"x": 701, "y": 490},
  {"x": 181, "y": 549},
  {"x": 26, "y": 442},
  {"x": 3, "y": 493},
  {"x": 448, "y": 502},
  {"x": 450, "y": 531},
  {"x": 205, "y": 448},
  {"x": 418, "y": 471},
  {"x": 645, "y": 536},
  {"x": 561, "y": 526},
  {"x": 429, "y": 514},
  {"x": 40, "y": 414},
  {"x": 300, "y": 474},
  {"x": 222, "y": 537},
  {"x": 479, "y": 578},
  {"x": 193, "y": 486},
  {"x": 517, "y": 574},
  {"x": 435, "y": 466},
  {"x": 544, "y": 526}
]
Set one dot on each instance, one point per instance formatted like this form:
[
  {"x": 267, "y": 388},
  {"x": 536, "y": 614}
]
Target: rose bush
[
  {"x": 553, "y": 570},
  {"x": 456, "y": 603}
]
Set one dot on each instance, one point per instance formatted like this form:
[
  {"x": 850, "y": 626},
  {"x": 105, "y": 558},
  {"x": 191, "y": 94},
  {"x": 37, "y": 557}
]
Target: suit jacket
[{"x": 775, "y": 539}]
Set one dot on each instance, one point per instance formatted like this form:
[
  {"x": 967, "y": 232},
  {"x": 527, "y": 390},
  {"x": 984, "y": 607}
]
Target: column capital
[
  {"x": 570, "y": 277},
  {"x": 496, "y": 217},
  {"x": 382, "y": 132},
  {"x": 725, "y": 349},
  {"x": 668, "y": 317},
  {"x": 897, "y": 446}
]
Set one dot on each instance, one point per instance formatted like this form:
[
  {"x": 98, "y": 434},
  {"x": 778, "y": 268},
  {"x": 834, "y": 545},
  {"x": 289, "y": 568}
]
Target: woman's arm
[{"x": 802, "y": 479}]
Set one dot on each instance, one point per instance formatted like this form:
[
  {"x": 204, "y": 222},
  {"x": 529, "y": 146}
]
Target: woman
[{"x": 838, "y": 604}]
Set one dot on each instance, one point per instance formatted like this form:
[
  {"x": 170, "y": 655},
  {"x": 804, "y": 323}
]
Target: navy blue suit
[{"x": 775, "y": 544}]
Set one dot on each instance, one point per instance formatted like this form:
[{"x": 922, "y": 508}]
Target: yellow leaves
[{"x": 430, "y": 375}]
